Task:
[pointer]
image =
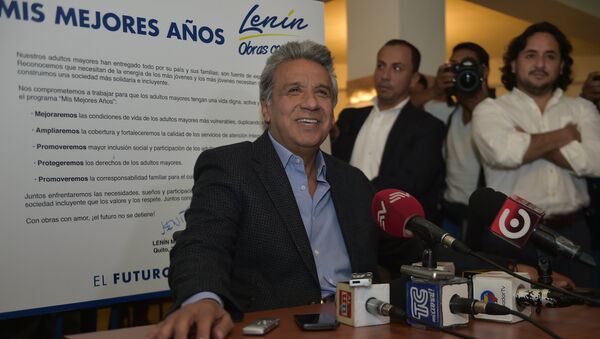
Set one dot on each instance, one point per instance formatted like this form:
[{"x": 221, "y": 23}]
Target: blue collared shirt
[{"x": 319, "y": 218}]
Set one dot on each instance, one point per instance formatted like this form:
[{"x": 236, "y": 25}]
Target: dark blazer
[
  {"x": 412, "y": 158},
  {"x": 245, "y": 239}
]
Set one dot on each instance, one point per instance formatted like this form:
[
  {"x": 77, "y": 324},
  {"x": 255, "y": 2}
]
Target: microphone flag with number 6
[{"x": 516, "y": 221}]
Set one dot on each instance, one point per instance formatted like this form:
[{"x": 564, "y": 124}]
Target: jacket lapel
[
  {"x": 273, "y": 177},
  {"x": 399, "y": 131}
]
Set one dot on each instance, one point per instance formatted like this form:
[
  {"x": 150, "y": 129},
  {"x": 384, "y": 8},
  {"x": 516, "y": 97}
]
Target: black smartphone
[{"x": 316, "y": 321}]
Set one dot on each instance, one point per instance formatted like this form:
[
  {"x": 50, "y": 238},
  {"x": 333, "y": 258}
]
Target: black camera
[{"x": 468, "y": 76}]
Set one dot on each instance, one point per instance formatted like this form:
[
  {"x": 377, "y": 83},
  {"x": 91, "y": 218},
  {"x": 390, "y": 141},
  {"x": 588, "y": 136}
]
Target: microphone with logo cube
[
  {"x": 500, "y": 288},
  {"x": 428, "y": 301},
  {"x": 355, "y": 307}
]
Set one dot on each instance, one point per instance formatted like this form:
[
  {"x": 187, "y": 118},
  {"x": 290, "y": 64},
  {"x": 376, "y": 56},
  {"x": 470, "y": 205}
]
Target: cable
[
  {"x": 536, "y": 324},
  {"x": 473, "y": 306},
  {"x": 445, "y": 330},
  {"x": 378, "y": 307},
  {"x": 520, "y": 277}
]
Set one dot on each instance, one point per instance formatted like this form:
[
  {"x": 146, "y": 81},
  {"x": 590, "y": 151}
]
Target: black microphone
[
  {"x": 473, "y": 306},
  {"x": 378, "y": 307},
  {"x": 514, "y": 219}
]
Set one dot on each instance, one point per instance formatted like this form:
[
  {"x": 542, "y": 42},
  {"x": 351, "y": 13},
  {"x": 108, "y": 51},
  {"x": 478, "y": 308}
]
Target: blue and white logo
[
  {"x": 420, "y": 303},
  {"x": 258, "y": 25}
]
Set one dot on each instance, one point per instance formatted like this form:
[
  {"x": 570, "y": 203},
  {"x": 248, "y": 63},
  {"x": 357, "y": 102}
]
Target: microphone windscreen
[
  {"x": 392, "y": 209},
  {"x": 484, "y": 205}
]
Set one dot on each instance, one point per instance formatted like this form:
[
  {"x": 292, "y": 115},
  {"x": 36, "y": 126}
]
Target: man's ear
[
  {"x": 513, "y": 66},
  {"x": 265, "y": 111},
  {"x": 414, "y": 79},
  {"x": 486, "y": 72},
  {"x": 562, "y": 67}
]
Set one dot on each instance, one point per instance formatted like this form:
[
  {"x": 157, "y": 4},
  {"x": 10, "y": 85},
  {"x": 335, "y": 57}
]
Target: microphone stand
[
  {"x": 429, "y": 255},
  {"x": 544, "y": 269}
]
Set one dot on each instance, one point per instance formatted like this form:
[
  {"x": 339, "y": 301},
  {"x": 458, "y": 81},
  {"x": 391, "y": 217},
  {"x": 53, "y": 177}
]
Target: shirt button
[
  {"x": 316, "y": 252},
  {"x": 303, "y": 187},
  {"x": 297, "y": 160}
]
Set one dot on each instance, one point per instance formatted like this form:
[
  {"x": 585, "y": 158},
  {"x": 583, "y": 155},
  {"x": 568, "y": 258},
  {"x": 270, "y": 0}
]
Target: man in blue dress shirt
[{"x": 275, "y": 222}]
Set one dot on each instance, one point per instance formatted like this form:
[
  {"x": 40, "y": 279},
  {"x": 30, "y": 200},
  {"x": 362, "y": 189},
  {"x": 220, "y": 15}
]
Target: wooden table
[{"x": 571, "y": 322}]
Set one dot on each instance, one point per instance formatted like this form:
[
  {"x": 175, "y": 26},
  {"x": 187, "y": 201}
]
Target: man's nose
[
  {"x": 310, "y": 101},
  {"x": 540, "y": 62},
  {"x": 386, "y": 73}
]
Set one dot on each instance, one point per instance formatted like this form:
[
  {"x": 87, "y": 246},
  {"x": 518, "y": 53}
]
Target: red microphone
[
  {"x": 393, "y": 219},
  {"x": 396, "y": 212}
]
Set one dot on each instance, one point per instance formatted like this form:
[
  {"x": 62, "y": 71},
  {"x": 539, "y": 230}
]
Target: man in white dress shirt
[{"x": 539, "y": 144}]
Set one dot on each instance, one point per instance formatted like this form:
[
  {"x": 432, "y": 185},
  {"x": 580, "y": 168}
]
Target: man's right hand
[
  {"x": 205, "y": 319},
  {"x": 444, "y": 79}
]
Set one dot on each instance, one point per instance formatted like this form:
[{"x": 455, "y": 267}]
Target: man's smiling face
[{"x": 300, "y": 112}]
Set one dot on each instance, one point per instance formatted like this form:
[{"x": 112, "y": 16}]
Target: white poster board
[{"x": 105, "y": 107}]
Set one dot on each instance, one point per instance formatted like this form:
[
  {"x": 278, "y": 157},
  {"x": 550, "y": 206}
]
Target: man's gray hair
[{"x": 294, "y": 50}]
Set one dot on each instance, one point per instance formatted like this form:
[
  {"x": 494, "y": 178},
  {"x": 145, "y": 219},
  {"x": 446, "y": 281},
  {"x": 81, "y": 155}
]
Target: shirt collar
[
  {"x": 524, "y": 96},
  {"x": 286, "y": 156},
  {"x": 396, "y": 108}
]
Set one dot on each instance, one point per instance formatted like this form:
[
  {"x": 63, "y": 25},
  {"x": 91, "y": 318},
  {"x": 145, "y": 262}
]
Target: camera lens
[
  {"x": 468, "y": 81},
  {"x": 468, "y": 76}
]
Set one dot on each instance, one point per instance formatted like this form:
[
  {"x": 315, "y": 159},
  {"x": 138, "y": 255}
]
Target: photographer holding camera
[
  {"x": 591, "y": 88},
  {"x": 461, "y": 84}
]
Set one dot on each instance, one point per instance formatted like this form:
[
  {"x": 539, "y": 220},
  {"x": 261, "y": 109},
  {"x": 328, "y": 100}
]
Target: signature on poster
[{"x": 173, "y": 223}]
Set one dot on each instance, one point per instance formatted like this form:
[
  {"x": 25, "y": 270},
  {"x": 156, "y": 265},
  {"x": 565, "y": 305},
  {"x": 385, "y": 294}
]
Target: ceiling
[
  {"x": 490, "y": 26},
  {"x": 485, "y": 22}
]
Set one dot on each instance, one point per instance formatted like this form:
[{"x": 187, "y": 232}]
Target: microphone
[
  {"x": 396, "y": 212},
  {"x": 500, "y": 288},
  {"x": 505, "y": 299},
  {"x": 545, "y": 298},
  {"x": 503, "y": 289},
  {"x": 471, "y": 306},
  {"x": 428, "y": 301},
  {"x": 514, "y": 220},
  {"x": 359, "y": 306},
  {"x": 378, "y": 307}
]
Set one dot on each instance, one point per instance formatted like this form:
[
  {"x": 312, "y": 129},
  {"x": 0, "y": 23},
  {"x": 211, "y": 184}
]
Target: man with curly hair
[{"x": 538, "y": 143}]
